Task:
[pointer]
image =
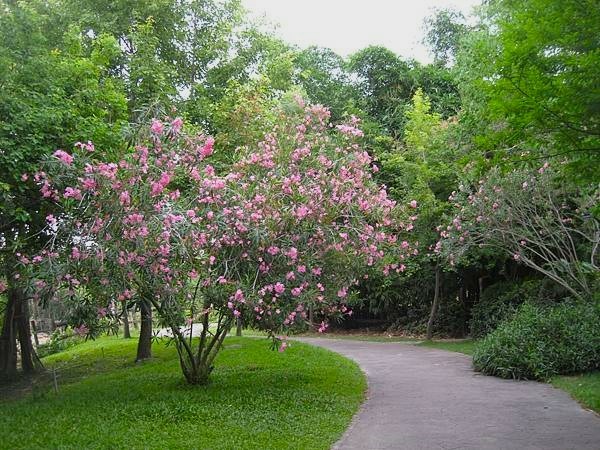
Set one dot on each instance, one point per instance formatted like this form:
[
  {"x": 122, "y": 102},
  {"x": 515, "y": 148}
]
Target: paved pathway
[{"x": 420, "y": 398}]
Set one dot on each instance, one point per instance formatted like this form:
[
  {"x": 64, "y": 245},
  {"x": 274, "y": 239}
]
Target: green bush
[
  {"x": 500, "y": 301},
  {"x": 539, "y": 342}
]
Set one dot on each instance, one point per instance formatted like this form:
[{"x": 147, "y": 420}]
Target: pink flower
[
  {"x": 343, "y": 292},
  {"x": 24, "y": 177},
  {"x": 81, "y": 330},
  {"x": 516, "y": 257},
  {"x": 124, "y": 198},
  {"x": 89, "y": 184},
  {"x": 301, "y": 269},
  {"x": 296, "y": 291},
  {"x": 64, "y": 157},
  {"x": 316, "y": 271},
  {"x": 102, "y": 312},
  {"x": 89, "y": 146},
  {"x": 323, "y": 327},
  {"x": 413, "y": 204},
  {"x": 279, "y": 288},
  {"x": 75, "y": 253},
  {"x": 176, "y": 125},
  {"x": 239, "y": 296},
  {"x": 73, "y": 193},
  {"x": 301, "y": 212},
  {"x": 157, "y": 126},
  {"x": 282, "y": 347},
  {"x": 156, "y": 188},
  {"x": 292, "y": 253},
  {"x": 195, "y": 174},
  {"x": 207, "y": 150},
  {"x": 273, "y": 250}
]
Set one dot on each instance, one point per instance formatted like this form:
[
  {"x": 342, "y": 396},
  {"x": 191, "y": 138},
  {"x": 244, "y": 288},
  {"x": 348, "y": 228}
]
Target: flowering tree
[
  {"x": 287, "y": 230},
  {"x": 535, "y": 218}
]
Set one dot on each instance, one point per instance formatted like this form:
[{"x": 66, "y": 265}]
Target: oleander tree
[
  {"x": 280, "y": 238},
  {"x": 535, "y": 217}
]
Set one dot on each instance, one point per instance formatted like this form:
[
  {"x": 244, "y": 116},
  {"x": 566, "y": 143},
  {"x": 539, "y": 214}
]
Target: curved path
[{"x": 421, "y": 398}]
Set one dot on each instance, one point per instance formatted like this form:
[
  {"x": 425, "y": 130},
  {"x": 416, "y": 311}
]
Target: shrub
[
  {"x": 540, "y": 342},
  {"x": 500, "y": 301},
  {"x": 284, "y": 232}
]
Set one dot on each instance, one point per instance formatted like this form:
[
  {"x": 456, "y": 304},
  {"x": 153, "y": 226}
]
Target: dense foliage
[{"x": 539, "y": 342}]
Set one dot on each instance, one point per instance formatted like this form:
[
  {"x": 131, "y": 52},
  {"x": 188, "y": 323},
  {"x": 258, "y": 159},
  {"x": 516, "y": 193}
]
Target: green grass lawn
[
  {"x": 584, "y": 388},
  {"x": 303, "y": 398},
  {"x": 466, "y": 346}
]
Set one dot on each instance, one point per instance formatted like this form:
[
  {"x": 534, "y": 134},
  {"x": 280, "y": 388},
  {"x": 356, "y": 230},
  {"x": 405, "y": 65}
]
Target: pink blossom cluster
[{"x": 289, "y": 229}]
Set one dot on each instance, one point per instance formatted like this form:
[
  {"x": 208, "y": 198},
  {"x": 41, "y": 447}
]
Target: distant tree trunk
[
  {"x": 239, "y": 325},
  {"x": 34, "y": 333},
  {"x": 144, "y": 349},
  {"x": 8, "y": 344},
  {"x": 125, "y": 314},
  {"x": 28, "y": 355},
  {"x": 16, "y": 327},
  {"x": 435, "y": 304}
]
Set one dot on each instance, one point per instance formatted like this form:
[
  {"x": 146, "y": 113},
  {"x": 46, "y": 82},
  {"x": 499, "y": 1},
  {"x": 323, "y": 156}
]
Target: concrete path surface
[{"x": 421, "y": 398}]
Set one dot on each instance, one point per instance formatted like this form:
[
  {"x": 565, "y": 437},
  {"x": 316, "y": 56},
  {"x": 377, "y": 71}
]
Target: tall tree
[
  {"x": 444, "y": 30},
  {"x": 387, "y": 84},
  {"x": 530, "y": 72},
  {"x": 56, "y": 90}
]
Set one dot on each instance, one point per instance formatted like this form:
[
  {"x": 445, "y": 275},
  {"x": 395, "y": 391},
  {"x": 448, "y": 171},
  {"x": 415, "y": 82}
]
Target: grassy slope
[
  {"x": 302, "y": 398},
  {"x": 466, "y": 346},
  {"x": 583, "y": 388}
]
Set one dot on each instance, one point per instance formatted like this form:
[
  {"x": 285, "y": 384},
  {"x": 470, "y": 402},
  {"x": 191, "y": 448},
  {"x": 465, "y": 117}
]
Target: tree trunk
[
  {"x": 35, "y": 333},
  {"x": 239, "y": 325},
  {"x": 24, "y": 334},
  {"x": 435, "y": 304},
  {"x": 125, "y": 314},
  {"x": 144, "y": 349},
  {"x": 134, "y": 320},
  {"x": 8, "y": 345},
  {"x": 16, "y": 326}
]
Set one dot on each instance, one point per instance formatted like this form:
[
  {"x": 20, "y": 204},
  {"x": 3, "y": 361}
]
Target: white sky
[{"x": 346, "y": 26}]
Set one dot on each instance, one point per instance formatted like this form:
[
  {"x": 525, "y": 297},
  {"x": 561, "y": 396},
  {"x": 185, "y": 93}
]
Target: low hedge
[{"x": 539, "y": 342}]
